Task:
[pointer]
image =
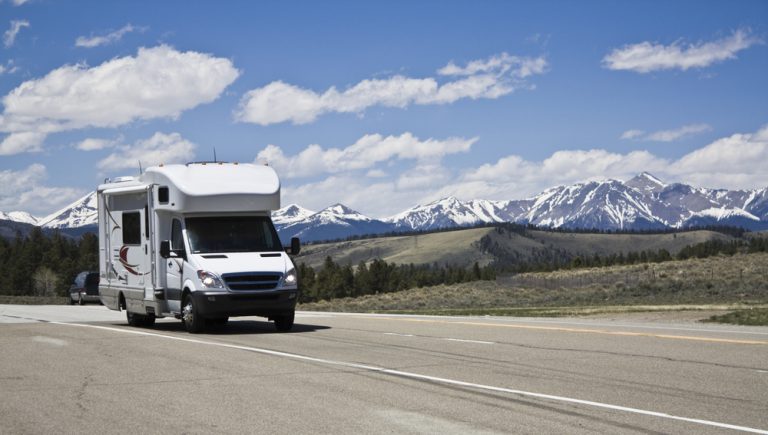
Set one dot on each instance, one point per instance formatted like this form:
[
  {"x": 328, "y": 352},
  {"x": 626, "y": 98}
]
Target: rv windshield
[{"x": 232, "y": 234}]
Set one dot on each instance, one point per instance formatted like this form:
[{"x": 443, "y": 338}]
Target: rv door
[{"x": 175, "y": 266}]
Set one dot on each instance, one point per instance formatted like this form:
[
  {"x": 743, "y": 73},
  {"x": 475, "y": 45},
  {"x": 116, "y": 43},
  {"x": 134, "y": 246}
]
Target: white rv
[{"x": 196, "y": 242}]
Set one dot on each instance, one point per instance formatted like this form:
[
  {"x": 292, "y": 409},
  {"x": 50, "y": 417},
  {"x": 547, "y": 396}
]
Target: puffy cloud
[
  {"x": 95, "y": 41},
  {"x": 160, "y": 148},
  {"x": 491, "y": 78},
  {"x": 736, "y": 161},
  {"x": 368, "y": 151},
  {"x": 159, "y": 82},
  {"x": 667, "y": 135},
  {"x": 23, "y": 190},
  {"x": 22, "y": 142},
  {"x": 9, "y": 37},
  {"x": 645, "y": 57}
]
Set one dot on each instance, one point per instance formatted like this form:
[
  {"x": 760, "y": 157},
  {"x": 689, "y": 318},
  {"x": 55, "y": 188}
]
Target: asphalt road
[{"x": 71, "y": 369}]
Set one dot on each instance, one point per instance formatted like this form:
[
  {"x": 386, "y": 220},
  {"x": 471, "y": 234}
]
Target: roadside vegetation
[
  {"x": 44, "y": 266},
  {"x": 728, "y": 281},
  {"x": 750, "y": 316}
]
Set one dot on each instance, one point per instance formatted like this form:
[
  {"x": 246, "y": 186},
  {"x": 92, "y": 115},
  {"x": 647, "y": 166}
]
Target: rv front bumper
[{"x": 233, "y": 304}]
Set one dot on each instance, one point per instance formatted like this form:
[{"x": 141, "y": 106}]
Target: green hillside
[{"x": 485, "y": 245}]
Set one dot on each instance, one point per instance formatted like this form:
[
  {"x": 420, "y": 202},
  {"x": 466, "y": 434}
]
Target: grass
[
  {"x": 752, "y": 317},
  {"x": 719, "y": 282},
  {"x": 33, "y": 300}
]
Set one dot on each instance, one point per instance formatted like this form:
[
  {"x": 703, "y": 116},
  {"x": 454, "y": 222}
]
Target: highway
[{"x": 73, "y": 369}]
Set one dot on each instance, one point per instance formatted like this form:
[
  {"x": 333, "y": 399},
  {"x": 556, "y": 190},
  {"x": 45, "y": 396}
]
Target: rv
[{"x": 195, "y": 242}]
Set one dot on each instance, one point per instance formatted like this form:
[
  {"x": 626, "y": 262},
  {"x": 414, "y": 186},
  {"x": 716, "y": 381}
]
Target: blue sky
[{"x": 384, "y": 105}]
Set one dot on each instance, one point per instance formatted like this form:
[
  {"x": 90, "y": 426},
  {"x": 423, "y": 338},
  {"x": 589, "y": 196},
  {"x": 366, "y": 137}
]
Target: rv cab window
[{"x": 220, "y": 234}]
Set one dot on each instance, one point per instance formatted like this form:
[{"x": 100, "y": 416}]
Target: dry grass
[
  {"x": 33, "y": 300},
  {"x": 739, "y": 280}
]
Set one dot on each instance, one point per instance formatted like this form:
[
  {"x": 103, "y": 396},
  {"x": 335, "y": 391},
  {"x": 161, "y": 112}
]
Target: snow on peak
[
  {"x": 82, "y": 212},
  {"x": 723, "y": 213},
  {"x": 290, "y": 214},
  {"x": 19, "y": 216}
]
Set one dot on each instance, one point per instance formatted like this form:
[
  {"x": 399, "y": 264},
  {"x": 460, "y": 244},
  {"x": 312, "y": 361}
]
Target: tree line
[
  {"x": 337, "y": 281},
  {"x": 41, "y": 265}
]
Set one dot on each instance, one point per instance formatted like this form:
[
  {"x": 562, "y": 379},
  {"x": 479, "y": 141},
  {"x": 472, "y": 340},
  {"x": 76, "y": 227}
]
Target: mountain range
[{"x": 641, "y": 203}]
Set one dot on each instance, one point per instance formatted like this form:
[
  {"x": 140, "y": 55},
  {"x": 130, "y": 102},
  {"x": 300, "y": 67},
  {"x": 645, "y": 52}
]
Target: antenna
[
  {"x": 141, "y": 171},
  {"x": 214, "y": 155}
]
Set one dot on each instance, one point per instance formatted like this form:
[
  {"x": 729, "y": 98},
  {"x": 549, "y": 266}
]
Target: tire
[
  {"x": 219, "y": 321},
  {"x": 149, "y": 320},
  {"x": 71, "y": 301},
  {"x": 80, "y": 300},
  {"x": 133, "y": 318},
  {"x": 284, "y": 323},
  {"x": 193, "y": 321}
]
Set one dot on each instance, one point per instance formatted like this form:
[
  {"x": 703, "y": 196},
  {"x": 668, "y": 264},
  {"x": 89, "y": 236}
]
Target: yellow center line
[{"x": 575, "y": 330}]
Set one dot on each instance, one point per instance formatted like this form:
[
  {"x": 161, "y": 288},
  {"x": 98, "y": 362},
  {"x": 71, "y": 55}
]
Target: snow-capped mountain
[
  {"x": 336, "y": 221},
  {"x": 19, "y": 216},
  {"x": 290, "y": 214},
  {"x": 643, "y": 202},
  {"x": 445, "y": 213},
  {"x": 80, "y": 213}
]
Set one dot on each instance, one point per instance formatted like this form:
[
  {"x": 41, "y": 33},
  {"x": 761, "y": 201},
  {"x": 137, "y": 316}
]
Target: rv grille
[{"x": 252, "y": 281}]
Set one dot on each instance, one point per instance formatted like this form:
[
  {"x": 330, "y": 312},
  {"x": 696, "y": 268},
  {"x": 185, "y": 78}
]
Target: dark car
[{"x": 85, "y": 288}]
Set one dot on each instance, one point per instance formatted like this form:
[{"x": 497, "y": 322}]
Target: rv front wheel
[
  {"x": 193, "y": 321},
  {"x": 284, "y": 323}
]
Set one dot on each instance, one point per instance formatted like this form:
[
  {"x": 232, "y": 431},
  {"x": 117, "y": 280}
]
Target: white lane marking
[
  {"x": 49, "y": 340},
  {"x": 460, "y": 340},
  {"x": 468, "y": 341},
  {"x": 519, "y": 320},
  {"x": 434, "y": 379}
]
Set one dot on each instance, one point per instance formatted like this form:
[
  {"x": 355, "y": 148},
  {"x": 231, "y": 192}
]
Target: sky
[{"x": 383, "y": 105}]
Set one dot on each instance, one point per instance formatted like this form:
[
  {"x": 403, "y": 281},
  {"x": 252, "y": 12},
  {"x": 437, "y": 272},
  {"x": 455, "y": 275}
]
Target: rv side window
[
  {"x": 177, "y": 240},
  {"x": 131, "y": 228},
  {"x": 162, "y": 195}
]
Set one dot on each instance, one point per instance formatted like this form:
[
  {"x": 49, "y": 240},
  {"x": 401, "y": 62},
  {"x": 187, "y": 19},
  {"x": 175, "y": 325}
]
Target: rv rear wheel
[
  {"x": 284, "y": 323},
  {"x": 133, "y": 318},
  {"x": 193, "y": 321}
]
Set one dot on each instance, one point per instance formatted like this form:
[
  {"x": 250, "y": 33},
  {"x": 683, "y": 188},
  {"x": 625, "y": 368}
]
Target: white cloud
[
  {"x": 9, "y": 37},
  {"x": 94, "y": 144},
  {"x": 159, "y": 82},
  {"x": 160, "y": 148},
  {"x": 490, "y": 78},
  {"x": 645, "y": 57},
  {"x": 19, "y": 2},
  {"x": 667, "y": 135},
  {"x": 368, "y": 151},
  {"x": 95, "y": 41},
  {"x": 734, "y": 162},
  {"x": 23, "y": 190},
  {"x": 632, "y": 134},
  {"x": 22, "y": 142}
]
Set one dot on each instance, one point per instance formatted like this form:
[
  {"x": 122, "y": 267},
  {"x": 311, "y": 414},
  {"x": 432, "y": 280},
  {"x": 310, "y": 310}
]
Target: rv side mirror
[
  {"x": 295, "y": 246},
  {"x": 165, "y": 248}
]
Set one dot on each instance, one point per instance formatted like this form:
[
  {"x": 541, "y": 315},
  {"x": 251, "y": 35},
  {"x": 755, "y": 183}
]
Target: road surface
[{"x": 72, "y": 369}]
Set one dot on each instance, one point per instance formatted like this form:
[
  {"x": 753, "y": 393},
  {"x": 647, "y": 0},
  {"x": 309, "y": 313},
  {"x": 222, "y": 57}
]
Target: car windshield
[{"x": 219, "y": 234}]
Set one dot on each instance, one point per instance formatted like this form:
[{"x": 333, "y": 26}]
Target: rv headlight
[
  {"x": 209, "y": 279},
  {"x": 290, "y": 278}
]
